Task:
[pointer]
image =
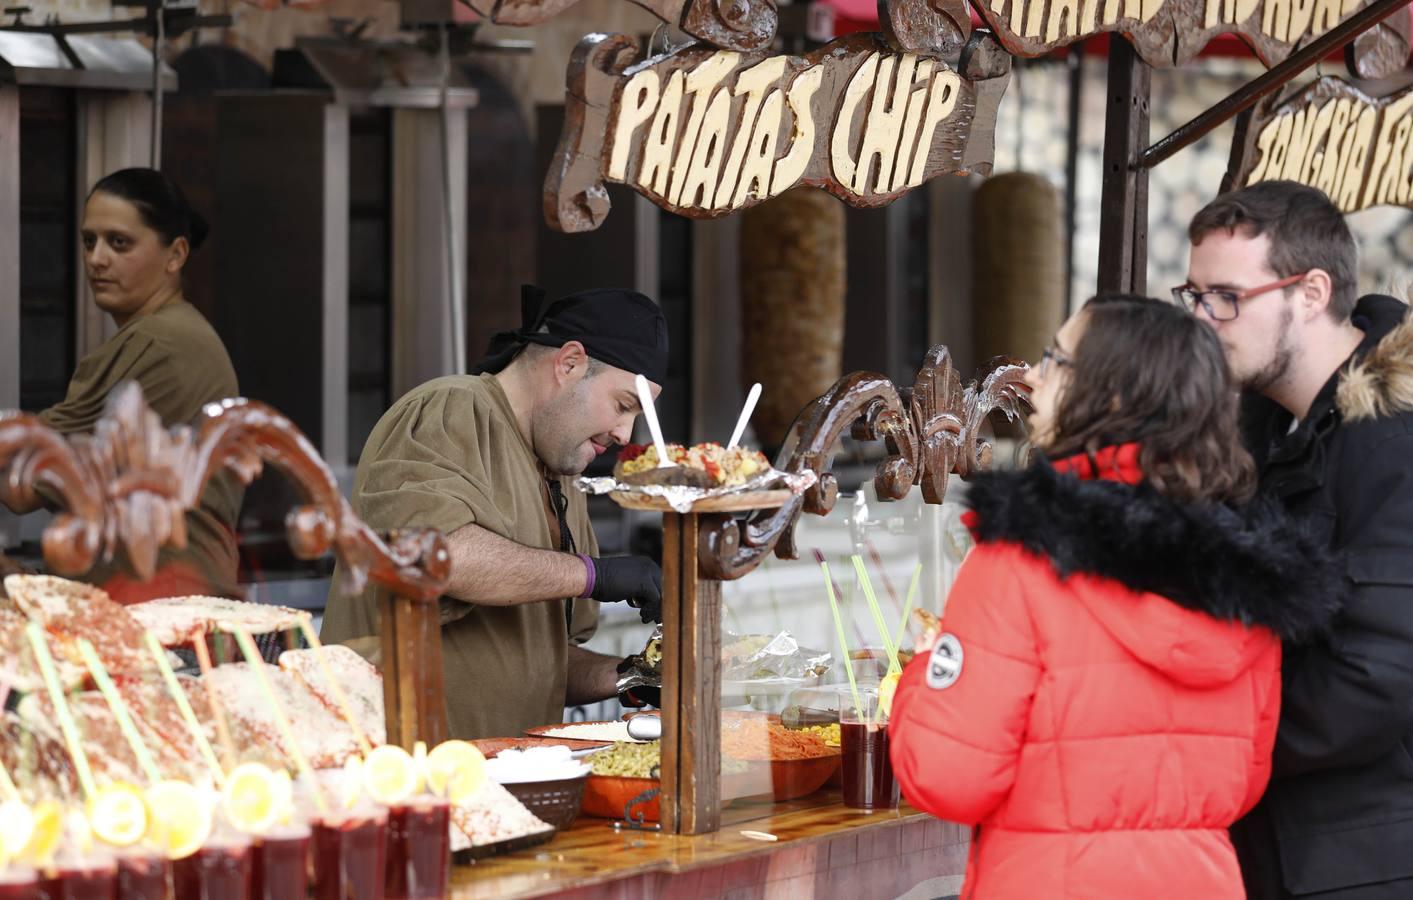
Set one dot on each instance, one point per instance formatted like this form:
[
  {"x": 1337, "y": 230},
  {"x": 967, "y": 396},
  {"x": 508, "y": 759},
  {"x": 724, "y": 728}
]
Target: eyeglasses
[
  {"x": 1222, "y": 306},
  {"x": 1051, "y": 356}
]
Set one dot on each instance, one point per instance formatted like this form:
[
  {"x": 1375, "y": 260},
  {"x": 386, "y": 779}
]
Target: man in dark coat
[{"x": 1328, "y": 415}]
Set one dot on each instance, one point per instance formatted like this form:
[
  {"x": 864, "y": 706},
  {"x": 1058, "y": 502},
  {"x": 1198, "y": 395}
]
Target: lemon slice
[
  {"x": 16, "y": 828},
  {"x": 47, "y": 829},
  {"x": 389, "y": 774},
  {"x": 886, "y": 688},
  {"x": 118, "y": 815},
  {"x": 456, "y": 770},
  {"x": 181, "y": 817},
  {"x": 254, "y": 797},
  {"x": 419, "y": 757}
]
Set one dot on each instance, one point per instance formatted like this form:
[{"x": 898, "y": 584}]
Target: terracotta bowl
[{"x": 606, "y": 795}]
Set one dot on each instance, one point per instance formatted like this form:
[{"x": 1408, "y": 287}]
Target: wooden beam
[{"x": 1123, "y": 222}]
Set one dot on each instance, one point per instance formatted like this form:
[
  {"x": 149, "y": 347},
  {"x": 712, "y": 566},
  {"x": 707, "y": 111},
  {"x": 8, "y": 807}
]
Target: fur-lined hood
[
  {"x": 1252, "y": 565},
  {"x": 1381, "y": 382}
]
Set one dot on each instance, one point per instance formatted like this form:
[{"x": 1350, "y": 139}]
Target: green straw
[
  {"x": 119, "y": 710},
  {"x": 839, "y": 631},
  {"x": 878, "y": 622},
  {"x": 908, "y": 607},
  {"x": 188, "y": 715},
  {"x": 61, "y": 709}
]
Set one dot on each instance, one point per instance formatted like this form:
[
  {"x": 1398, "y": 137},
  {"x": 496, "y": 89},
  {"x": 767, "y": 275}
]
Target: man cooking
[{"x": 488, "y": 459}]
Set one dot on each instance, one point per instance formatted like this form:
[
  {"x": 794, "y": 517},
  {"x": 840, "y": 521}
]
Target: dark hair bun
[{"x": 160, "y": 203}]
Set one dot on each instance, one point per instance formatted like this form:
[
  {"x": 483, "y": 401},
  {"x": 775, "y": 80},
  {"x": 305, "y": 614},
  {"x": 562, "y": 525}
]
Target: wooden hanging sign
[
  {"x": 733, "y": 24},
  {"x": 1168, "y": 33},
  {"x": 1356, "y": 148},
  {"x": 705, "y": 132}
]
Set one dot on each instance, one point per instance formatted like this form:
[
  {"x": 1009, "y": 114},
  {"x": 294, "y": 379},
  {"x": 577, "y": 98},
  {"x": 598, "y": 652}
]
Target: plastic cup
[
  {"x": 867, "y": 770},
  {"x": 19, "y": 883},
  {"x": 221, "y": 870},
  {"x": 349, "y": 852},
  {"x": 281, "y": 867},
  {"x": 81, "y": 878},
  {"x": 144, "y": 875},
  {"x": 419, "y": 848}
]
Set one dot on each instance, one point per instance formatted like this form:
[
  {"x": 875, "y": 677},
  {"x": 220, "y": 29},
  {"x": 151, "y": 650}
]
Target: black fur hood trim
[{"x": 1253, "y": 565}]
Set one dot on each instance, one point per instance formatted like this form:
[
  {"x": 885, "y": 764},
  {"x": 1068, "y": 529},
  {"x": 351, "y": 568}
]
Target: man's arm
[
  {"x": 495, "y": 571},
  {"x": 1349, "y": 699},
  {"x": 592, "y": 677}
]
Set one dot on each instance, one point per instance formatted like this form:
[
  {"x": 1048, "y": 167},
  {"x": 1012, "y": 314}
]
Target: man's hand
[
  {"x": 635, "y": 579},
  {"x": 640, "y": 696}
]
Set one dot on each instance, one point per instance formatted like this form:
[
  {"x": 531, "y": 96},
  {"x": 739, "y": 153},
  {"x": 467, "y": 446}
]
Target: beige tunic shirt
[
  {"x": 178, "y": 360},
  {"x": 448, "y": 454}
]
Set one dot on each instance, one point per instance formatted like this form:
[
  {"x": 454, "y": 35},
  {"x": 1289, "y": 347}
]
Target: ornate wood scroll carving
[
  {"x": 733, "y": 24},
  {"x": 130, "y": 483},
  {"x": 931, "y": 431},
  {"x": 1356, "y": 148},
  {"x": 1171, "y": 32},
  {"x": 705, "y": 132}
]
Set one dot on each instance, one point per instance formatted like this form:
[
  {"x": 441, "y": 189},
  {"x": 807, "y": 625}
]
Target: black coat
[{"x": 1338, "y": 815}]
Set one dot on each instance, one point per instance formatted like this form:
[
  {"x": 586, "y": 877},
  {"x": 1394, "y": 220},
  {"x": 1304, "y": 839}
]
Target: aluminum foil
[
  {"x": 780, "y": 656},
  {"x": 681, "y": 499},
  {"x": 644, "y": 669}
]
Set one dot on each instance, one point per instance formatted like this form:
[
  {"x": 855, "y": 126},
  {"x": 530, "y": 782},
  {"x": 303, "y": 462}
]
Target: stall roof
[{"x": 79, "y": 61}]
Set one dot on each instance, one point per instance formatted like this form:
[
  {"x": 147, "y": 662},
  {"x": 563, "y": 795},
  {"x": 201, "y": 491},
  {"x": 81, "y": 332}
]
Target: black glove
[
  {"x": 634, "y": 579},
  {"x": 640, "y": 695}
]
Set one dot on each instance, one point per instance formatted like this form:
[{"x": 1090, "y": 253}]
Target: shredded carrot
[{"x": 758, "y": 738}]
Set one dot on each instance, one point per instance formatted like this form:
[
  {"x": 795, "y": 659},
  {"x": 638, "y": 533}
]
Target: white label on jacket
[{"x": 945, "y": 666}]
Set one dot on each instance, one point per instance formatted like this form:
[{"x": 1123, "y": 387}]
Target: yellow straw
[
  {"x": 306, "y": 626},
  {"x": 907, "y": 607},
  {"x": 839, "y": 632},
  {"x": 184, "y": 706},
  {"x": 877, "y": 612},
  {"x": 257, "y": 665},
  {"x": 120, "y": 711},
  {"x": 61, "y": 709},
  {"x": 218, "y": 711}
]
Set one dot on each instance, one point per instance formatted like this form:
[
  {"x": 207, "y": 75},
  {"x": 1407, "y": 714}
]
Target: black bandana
[{"x": 618, "y": 327}]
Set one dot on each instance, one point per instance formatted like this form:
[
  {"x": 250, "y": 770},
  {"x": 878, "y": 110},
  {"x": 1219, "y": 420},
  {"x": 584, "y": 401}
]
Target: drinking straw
[
  {"x": 257, "y": 666},
  {"x": 61, "y": 709},
  {"x": 306, "y": 626},
  {"x": 119, "y": 710},
  {"x": 839, "y": 629},
  {"x": 908, "y": 607},
  {"x": 218, "y": 711},
  {"x": 882, "y": 572},
  {"x": 878, "y": 622},
  {"x": 184, "y": 707}
]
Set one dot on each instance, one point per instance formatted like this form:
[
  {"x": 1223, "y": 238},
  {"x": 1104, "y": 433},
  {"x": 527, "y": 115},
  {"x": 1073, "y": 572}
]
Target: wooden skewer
[
  {"x": 223, "y": 730},
  {"x": 306, "y": 626}
]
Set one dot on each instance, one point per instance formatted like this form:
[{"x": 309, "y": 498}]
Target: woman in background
[
  {"x": 137, "y": 234},
  {"x": 1103, "y": 697}
]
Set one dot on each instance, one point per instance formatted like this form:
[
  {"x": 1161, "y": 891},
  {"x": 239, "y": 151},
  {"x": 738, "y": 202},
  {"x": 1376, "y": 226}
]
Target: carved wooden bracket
[
  {"x": 130, "y": 483},
  {"x": 730, "y": 24},
  {"x": 1330, "y": 135},
  {"x": 931, "y": 431}
]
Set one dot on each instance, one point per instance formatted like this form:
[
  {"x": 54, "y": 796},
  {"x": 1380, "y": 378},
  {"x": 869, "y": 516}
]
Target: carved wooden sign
[
  {"x": 1169, "y": 33},
  {"x": 1356, "y": 148},
  {"x": 705, "y": 132},
  {"x": 733, "y": 24}
]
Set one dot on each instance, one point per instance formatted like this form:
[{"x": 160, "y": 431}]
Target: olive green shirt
[
  {"x": 450, "y": 453},
  {"x": 178, "y": 360}
]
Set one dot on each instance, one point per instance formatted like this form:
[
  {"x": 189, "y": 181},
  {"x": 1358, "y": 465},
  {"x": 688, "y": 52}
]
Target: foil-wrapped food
[
  {"x": 644, "y": 669},
  {"x": 698, "y": 472},
  {"x": 759, "y": 657}
]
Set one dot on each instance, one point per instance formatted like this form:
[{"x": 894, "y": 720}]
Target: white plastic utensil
[
  {"x": 746, "y": 411},
  {"x": 645, "y": 398}
]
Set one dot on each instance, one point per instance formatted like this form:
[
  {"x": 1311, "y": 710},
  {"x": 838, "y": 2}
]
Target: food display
[
  {"x": 707, "y": 465},
  {"x": 608, "y": 732},
  {"x": 754, "y": 737},
  {"x": 177, "y": 621}
]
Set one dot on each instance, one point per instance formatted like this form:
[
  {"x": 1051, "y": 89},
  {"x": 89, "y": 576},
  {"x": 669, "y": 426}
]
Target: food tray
[
  {"x": 606, "y": 795},
  {"x": 492, "y": 746},
  {"x": 584, "y": 743},
  {"x": 739, "y": 501},
  {"x": 484, "y": 851},
  {"x": 554, "y": 802}
]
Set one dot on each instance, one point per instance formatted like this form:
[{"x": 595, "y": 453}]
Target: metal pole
[
  {"x": 158, "y": 39},
  {"x": 1245, "y": 97},
  {"x": 1075, "y": 62},
  {"x": 454, "y": 288},
  {"x": 1123, "y": 208}
]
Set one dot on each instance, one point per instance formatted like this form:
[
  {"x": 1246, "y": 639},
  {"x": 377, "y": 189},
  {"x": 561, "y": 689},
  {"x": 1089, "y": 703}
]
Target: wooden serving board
[{"x": 738, "y": 502}]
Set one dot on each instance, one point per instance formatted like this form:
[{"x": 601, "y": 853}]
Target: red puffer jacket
[{"x": 1104, "y": 695}]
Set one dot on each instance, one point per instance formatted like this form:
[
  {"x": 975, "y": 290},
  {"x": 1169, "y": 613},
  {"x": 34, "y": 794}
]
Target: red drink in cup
[
  {"x": 218, "y": 871},
  {"x": 87, "y": 878},
  {"x": 144, "y": 876},
  {"x": 419, "y": 848},
  {"x": 867, "y": 770},
  {"x": 18, "y": 883},
  {"x": 349, "y": 851},
  {"x": 281, "y": 870}
]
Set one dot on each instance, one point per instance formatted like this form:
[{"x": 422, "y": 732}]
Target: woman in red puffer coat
[{"x": 1103, "y": 697}]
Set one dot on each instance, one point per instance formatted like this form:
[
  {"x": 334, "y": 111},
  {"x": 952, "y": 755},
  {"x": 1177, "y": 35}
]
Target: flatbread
[
  {"x": 17, "y": 668},
  {"x": 70, "y": 610},
  {"x": 177, "y": 621},
  {"x": 362, "y": 685},
  {"x": 38, "y": 764},
  {"x": 324, "y": 738}
]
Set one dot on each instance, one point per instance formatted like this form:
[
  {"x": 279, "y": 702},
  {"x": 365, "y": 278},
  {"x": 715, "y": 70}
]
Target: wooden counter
[{"x": 824, "y": 849}]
